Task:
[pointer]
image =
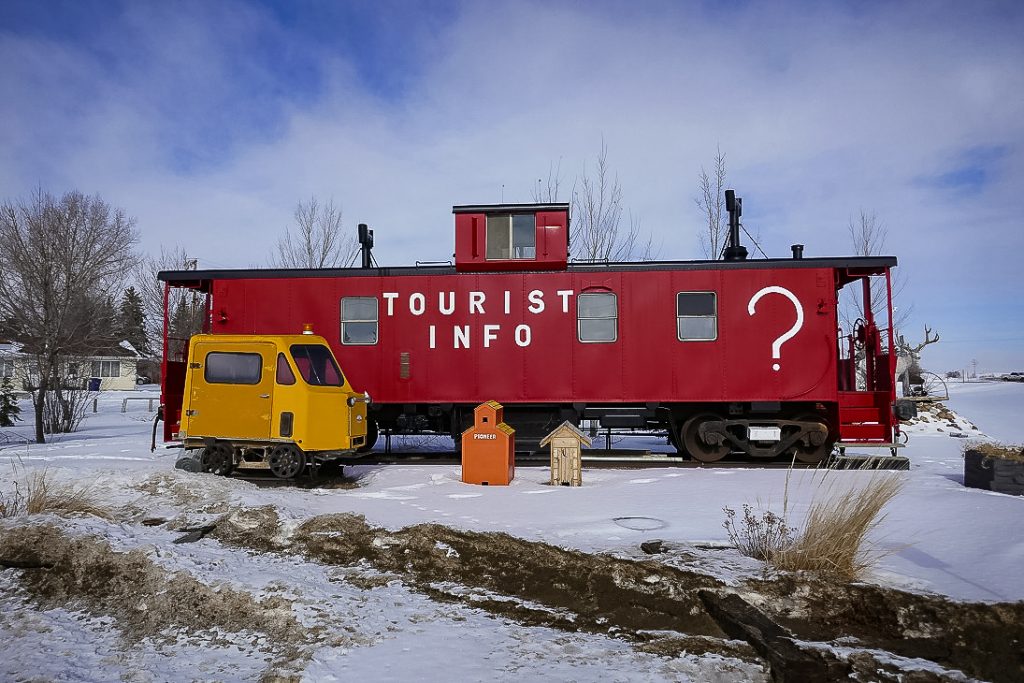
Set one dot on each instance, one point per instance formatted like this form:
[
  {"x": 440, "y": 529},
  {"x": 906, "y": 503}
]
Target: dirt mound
[
  {"x": 656, "y": 606},
  {"x": 983, "y": 639},
  {"x": 184, "y": 491},
  {"x": 598, "y": 589},
  {"x": 147, "y": 600},
  {"x": 931, "y": 412},
  {"x": 254, "y": 528},
  {"x": 532, "y": 583}
]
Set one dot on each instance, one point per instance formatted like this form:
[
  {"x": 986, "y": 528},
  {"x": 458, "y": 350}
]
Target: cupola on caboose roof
[{"x": 511, "y": 237}]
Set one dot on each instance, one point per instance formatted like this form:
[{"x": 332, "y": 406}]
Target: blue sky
[{"x": 209, "y": 121}]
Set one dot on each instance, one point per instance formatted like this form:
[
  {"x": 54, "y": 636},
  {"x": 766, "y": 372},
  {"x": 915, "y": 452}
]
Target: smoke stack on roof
[
  {"x": 366, "y": 245},
  {"x": 734, "y": 205}
]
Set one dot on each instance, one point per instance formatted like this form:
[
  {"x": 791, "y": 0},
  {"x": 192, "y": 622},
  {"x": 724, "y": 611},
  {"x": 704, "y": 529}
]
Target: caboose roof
[
  {"x": 856, "y": 265},
  {"x": 509, "y": 208}
]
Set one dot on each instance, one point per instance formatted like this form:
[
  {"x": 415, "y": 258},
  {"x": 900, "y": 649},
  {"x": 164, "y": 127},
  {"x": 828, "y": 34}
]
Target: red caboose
[{"x": 727, "y": 356}]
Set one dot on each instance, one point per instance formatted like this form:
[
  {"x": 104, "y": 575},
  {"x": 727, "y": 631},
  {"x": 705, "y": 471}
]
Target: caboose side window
[
  {"x": 359, "y": 320},
  {"x": 512, "y": 236},
  {"x": 597, "y": 317},
  {"x": 697, "y": 316},
  {"x": 233, "y": 368}
]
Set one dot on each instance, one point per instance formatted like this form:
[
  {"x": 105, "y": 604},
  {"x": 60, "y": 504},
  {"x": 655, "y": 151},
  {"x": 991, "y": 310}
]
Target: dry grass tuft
[
  {"x": 833, "y": 538},
  {"x": 37, "y": 493},
  {"x": 994, "y": 450}
]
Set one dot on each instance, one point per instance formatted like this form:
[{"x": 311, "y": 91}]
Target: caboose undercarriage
[{"x": 704, "y": 431}]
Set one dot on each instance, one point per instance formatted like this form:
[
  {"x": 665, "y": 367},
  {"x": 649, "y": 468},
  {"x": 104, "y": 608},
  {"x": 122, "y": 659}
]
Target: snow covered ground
[{"x": 938, "y": 537}]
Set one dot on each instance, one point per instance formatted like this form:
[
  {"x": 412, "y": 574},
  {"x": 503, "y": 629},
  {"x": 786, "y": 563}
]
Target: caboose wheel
[
  {"x": 286, "y": 461},
  {"x": 708, "y": 448},
  {"x": 812, "y": 452}
]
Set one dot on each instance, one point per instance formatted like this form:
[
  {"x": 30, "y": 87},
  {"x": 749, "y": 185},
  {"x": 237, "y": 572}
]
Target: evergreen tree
[
  {"x": 9, "y": 410},
  {"x": 132, "y": 321},
  {"x": 107, "y": 325}
]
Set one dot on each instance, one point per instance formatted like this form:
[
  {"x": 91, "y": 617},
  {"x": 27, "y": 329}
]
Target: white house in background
[{"x": 115, "y": 368}]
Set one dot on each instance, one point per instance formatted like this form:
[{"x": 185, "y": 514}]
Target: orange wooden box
[{"x": 489, "y": 448}]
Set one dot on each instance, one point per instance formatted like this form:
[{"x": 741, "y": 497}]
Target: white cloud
[{"x": 821, "y": 112}]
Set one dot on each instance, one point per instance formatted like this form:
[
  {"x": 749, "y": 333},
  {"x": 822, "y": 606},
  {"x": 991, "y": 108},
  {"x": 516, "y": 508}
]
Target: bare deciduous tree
[
  {"x": 711, "y": 203},
  {"x": 868, "y": 236},
  {"x": 60, "y": 260},
  {"x": 186, "y": 308},
  {"x": 317, "y": 240},
  {"x": 548, "y": 193},
  {"x": 598, "y": 233}
]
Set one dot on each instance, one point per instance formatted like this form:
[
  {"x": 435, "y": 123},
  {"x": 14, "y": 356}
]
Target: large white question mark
[{"x": 785, "y": 336}]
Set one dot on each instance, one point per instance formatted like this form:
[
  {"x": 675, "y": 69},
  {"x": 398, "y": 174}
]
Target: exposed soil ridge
[{"x": 600, "y": 593}]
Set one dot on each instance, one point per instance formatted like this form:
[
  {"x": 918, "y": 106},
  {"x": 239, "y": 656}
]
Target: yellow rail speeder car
[{"x": 276, "y": 402}]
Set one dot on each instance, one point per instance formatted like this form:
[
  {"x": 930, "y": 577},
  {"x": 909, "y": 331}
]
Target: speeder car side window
[
  {"x": 233, "y": 368},
  {"x": 284, "y": 371}
]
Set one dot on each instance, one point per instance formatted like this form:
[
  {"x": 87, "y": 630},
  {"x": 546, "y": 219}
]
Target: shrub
[
  {"x": 64, "y": 409},
  {"x": 993, "y": 450},
  {"x": 759, "y": 537}
]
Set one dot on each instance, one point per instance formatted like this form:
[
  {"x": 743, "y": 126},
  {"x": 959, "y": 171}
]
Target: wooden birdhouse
[
  {"x": 488, "y": 448},
  {"x": 566, "y": 454}
]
